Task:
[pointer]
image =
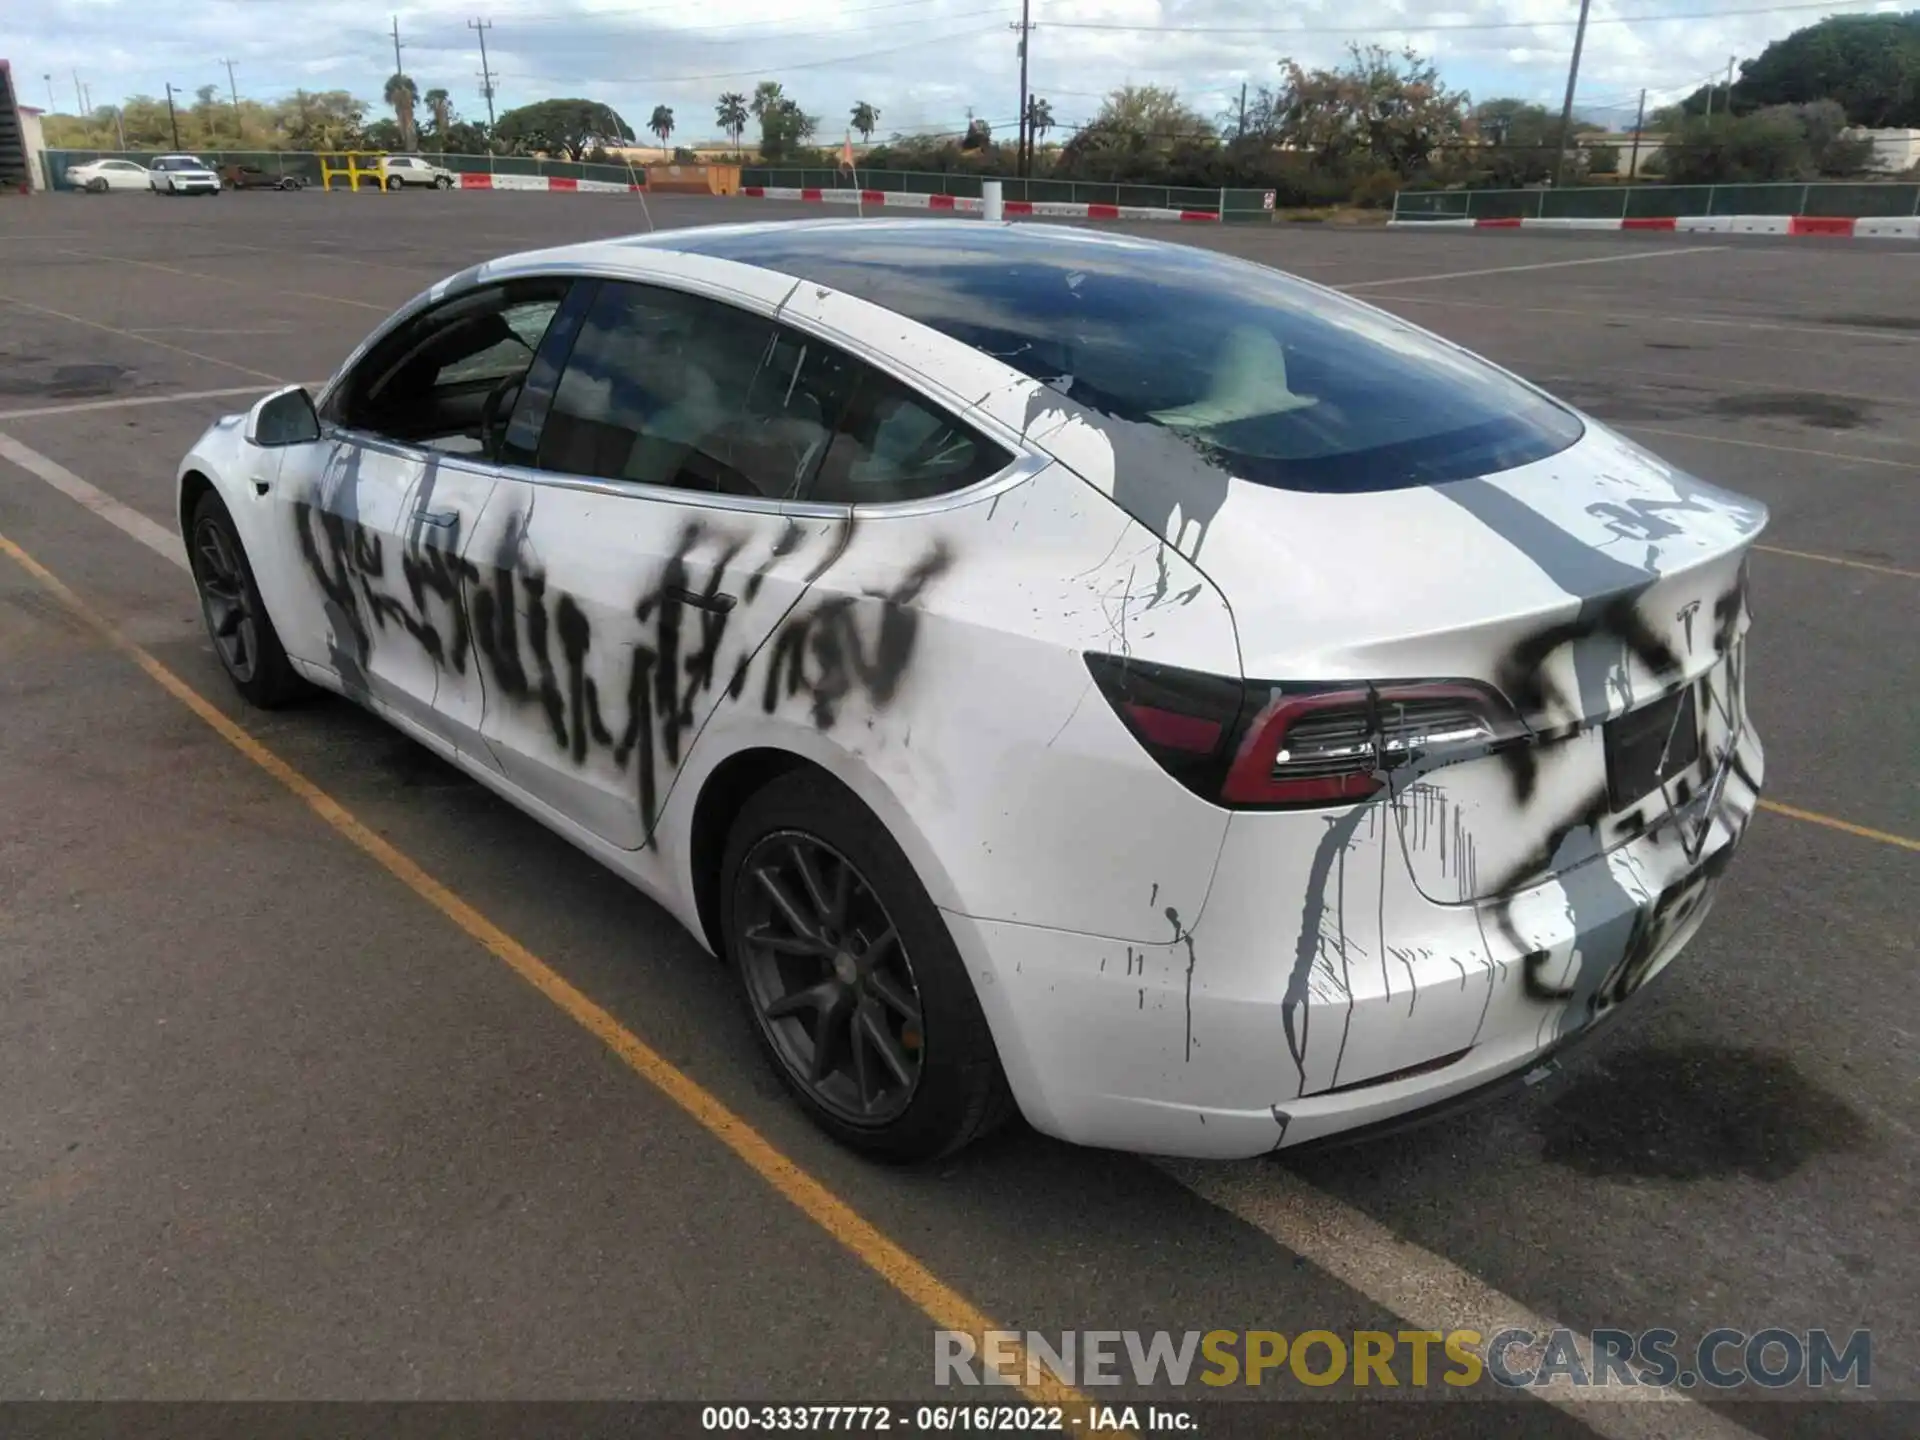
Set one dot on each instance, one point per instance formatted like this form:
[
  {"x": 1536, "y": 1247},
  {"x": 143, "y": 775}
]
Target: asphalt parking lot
[{"x": 276, "y": 1127}]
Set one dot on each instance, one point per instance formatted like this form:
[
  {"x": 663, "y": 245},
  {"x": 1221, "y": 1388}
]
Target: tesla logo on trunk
[{"x": 1685, "y": 616}]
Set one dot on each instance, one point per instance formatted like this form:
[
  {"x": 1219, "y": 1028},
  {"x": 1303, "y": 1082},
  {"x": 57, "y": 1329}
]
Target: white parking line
[
  {"x": 236, "y": 280},
  {"x": 128, "y": 402},
  {"x": 1543, "y": 265},
  {"x": 1431, "y": 1293},
  {"x": 1768, "y": 445},
  {"x": 1844, "y": 332},
  {"x": 129, "y": 521},
  {"x": 143, "y": 339}
]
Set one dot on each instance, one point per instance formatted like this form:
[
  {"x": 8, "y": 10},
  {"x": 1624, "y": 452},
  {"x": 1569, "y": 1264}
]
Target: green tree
[
  {"x": 1379, "y": 109},
  {"x": 1154, "y": 112},
  {"x": 979, "y": 135},
  {"x": 1776, "y": 143},
  {"x": 573, "y": 126},
  {"x": 661, "y": 122},
  {"x": 402, "y": 94},
  {"x": 1518, "y": 142},
  {"x": 440, "y": 105},
  {"x": 1869, "y": 64},
  {"x": 865, "y": 118},
  {"x": 767, "y": 95},
  {"x": 732, "y": 114}
]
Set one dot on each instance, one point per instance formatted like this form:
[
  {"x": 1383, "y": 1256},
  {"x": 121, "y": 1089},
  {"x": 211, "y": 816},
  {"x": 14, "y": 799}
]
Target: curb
[
  {"x": 1867, "y": 227},
  {"x": 904, "y": 200}
]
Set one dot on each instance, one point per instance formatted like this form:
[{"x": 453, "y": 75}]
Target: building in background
[
  {"x": 1894, "y": 151},
  {"x": 21, "y": 143}
]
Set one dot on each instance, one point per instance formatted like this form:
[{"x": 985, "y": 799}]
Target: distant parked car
[
  {"x": 399, "y": 170},
  {"x": 183, "y": 175},
  {"x": 99, "y": 176},
  {"x": 252, "y": 177}
]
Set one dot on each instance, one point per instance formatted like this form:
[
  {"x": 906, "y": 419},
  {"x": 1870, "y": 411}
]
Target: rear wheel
[
  {"x": 237, "y": 621},
  {"x": 97, "y": 185},
  {"x": 859, "y": 997}
]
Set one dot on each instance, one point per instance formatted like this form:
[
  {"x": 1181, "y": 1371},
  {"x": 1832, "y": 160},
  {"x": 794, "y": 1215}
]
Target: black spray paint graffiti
[{"x": 535, "y": 639}]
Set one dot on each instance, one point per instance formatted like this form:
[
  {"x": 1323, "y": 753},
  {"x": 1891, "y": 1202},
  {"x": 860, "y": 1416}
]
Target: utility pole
[
  {"x": 233, "y": 89},
  {"x": 406, "y": 127},
  {"x": 1729, "y": 105},
  {"x": 1639, "y": 123},
  {"x": 1025, "y": 145},
  {"x": 1566, "y": 108},
  {"x": 79, "y": 99},
  {"x": 173, "y": 119},
  {"x": 120, "y": 124},
  {"x": 1243, "y": 111},
  {"x": 52, "y": 104},
  {"x": 86, "y": 95},
  {"x": 480, "y": 28}
]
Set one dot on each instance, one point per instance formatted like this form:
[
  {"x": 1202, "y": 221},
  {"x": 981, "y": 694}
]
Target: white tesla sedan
[{"x": 1055, "y": 669}]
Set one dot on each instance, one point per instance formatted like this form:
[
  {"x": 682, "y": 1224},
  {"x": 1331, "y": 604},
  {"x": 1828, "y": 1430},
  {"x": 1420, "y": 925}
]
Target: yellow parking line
[
  {"x": 940, "y": 1302},
  {"x": 1865, "y": 832},
  {"x": 1837, "y": 560}
]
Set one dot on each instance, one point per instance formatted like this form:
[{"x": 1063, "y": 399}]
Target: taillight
[{"x": 1282, "y": 744}]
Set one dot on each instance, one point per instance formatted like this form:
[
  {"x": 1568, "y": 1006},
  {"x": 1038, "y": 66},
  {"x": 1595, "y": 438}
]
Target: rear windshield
[{"x": 1277, "y": 381}]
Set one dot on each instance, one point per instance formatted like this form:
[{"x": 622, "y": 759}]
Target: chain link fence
[
  {"x": 1229, "y": 204},
  {"x": 1837, "y": 199}
]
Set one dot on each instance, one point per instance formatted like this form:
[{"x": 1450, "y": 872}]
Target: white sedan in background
[
  {"x": 99, "y": 176},
  {"x": 1054, "y": 669},
  {"x": 183, "y": 175}
]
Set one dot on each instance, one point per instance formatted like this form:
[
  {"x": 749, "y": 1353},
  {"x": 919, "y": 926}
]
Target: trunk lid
[{"x": 1588, "y": 588}]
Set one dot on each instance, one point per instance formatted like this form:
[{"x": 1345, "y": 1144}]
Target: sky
[{"x": 928, "y": 65}]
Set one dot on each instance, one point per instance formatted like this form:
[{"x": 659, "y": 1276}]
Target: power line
[
  {"x": 1416, "y": 29},
  {"x": 765, "y": 70}
]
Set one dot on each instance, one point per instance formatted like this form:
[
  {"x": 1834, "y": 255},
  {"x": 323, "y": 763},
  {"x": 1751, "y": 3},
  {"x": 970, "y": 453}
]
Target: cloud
[{"x": 927, "y": 64}]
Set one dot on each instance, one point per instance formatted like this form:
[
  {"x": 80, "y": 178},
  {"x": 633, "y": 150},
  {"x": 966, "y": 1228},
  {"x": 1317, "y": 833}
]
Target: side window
[
  {"x": 655, "y": 392},
  {"x": 890, "y": 444},
  {"x": 447, "y": 375}
]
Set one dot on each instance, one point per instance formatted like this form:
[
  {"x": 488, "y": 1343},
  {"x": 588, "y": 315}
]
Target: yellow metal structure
[{"x": 353, "y": 166}]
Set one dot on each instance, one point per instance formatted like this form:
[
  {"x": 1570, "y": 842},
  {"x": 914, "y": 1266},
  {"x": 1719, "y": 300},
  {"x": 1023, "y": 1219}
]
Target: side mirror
[{"x": 286, "y": 417}]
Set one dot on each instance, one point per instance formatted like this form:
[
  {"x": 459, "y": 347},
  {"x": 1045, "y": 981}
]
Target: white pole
[{"x": 990, "y": 206}]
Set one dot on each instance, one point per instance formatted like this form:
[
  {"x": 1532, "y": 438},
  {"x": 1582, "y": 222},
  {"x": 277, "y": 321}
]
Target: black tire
[
  {"x": 441, "y": 182},
  {"x": 287, "y": 182},
  {"x": 958, "y": 1092},
  {"x": 394, "y": 182},
  {"x": 96, "y": 186},
  {"x": 230, "y": 604}
]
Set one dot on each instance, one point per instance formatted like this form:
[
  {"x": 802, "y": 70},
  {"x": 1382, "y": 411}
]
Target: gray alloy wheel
[{"x": 829, "y": 978}]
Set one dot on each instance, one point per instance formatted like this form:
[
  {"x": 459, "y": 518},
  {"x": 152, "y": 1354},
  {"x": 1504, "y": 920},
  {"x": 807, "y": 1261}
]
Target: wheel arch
[{"x": 760, "y": 756}]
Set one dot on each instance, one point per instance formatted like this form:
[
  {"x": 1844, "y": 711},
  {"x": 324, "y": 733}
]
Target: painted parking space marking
[
  {"x": 1540, "y": 265},
  {"x": 235, "y": 280},
  {"x": 129, "y": 402},
  {"x": 1431, "y": 1293},
  {"x": 123, "y": 517},
  {"x": 905, "y": 1274},
  {"x": 1840, "y": 560},
  {"x": 142, "y": 339},
  {"x": 1847, "y": 456}
]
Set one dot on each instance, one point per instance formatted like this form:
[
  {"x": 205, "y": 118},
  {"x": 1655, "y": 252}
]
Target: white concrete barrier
[{"x": 991, "y": 207}]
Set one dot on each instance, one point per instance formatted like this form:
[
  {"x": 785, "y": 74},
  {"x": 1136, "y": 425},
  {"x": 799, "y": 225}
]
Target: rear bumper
[{"x": 1322, "y": 993}]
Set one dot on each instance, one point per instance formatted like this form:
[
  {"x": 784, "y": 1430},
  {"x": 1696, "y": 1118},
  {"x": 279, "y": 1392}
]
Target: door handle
[
  {"x": 719, "y": 604},
  {"x": 437, "y": 517}
]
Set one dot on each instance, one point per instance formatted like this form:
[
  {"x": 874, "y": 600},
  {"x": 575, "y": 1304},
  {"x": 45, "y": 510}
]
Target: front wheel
[
  {"x": 237, "y": 621},
  {"x": 858, "y": 994},
  {"x": 441, "y": 182}
]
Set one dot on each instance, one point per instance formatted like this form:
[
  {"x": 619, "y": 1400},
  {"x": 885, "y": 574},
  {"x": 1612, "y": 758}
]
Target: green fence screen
[{"x": 1605, "y": 202}]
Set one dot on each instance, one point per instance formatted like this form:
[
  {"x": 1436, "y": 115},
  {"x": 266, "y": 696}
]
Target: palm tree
[
  {"x": 441, "y": 104},
  {"x": 731, "y": 112},
  {"x": 865, "y": 118},
  {"x": 401, "y": 93},
  {"x": 662, "y": 122},
  {"x": 767, "y": 95}
]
